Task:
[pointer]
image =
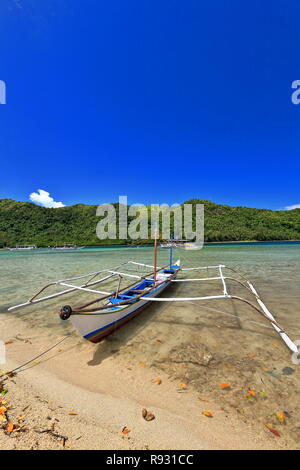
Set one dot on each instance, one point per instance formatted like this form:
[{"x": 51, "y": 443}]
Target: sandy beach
[{"x": 82, "y": 396}]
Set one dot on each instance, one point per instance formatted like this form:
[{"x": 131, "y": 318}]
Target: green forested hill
[
  {"x": 26, "y": 223},
  {"x": 224, "y": 223}
]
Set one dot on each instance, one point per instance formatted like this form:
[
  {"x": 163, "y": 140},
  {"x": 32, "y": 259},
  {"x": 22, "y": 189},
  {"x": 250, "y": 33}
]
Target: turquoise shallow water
[{"x": 273, "y": 267}]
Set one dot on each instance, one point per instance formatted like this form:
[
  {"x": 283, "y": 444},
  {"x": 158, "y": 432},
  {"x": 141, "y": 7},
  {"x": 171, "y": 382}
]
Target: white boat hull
[{"x": 96, "y": 325}]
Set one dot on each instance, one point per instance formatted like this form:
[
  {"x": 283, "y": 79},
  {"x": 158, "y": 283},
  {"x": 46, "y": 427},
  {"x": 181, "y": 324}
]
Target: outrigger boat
[{"x": 103, "y": 315}]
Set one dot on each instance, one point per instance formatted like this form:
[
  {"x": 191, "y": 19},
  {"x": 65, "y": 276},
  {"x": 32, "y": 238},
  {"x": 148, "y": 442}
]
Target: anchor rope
[{"x": 34, "y": 358}]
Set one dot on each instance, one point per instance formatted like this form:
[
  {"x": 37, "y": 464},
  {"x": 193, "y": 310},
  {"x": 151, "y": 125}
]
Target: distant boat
[
  {"x": 23, "y": 248},
  {"x": 191, "y": 246},
  {"x": 172, "y": 243},
  {"x": 66, "y": 246},
  {"x": 182, "y": 244}
]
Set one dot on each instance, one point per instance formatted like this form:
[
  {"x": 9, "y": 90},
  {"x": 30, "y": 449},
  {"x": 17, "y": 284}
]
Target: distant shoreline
[
  {"x": 253, "y": 241},
  {"x": 227, "y": 242}
]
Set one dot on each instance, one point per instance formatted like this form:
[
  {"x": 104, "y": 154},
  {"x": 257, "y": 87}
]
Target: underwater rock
[
  {"x": 193, "y": 353},
  {"x": 287, "y": 371}
]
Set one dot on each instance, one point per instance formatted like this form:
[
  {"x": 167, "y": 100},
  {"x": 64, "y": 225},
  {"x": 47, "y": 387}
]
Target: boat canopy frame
[{"x": 85, "y": 287}]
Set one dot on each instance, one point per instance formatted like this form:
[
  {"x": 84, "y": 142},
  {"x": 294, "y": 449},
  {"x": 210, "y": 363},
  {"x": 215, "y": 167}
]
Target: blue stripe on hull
[{"x": 115, "y": 322}]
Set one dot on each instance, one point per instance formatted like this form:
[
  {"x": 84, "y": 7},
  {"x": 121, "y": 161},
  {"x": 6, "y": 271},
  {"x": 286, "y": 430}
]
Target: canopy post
[
  {"x": 155, "y": 252},
  {"x": 171, "y": 251},
  {"x": 223, "y": 281}
]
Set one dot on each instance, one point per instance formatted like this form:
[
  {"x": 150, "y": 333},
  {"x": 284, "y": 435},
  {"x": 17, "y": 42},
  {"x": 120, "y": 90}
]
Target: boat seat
[
  {"x": 139, "y": 291},
  {"x": 114, "y": 300}
]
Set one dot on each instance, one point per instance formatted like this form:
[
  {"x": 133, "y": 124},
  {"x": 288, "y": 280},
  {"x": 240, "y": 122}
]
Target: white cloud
[
  {"x": 290, "y": 208},
  {"x": 43, "y": 198}
]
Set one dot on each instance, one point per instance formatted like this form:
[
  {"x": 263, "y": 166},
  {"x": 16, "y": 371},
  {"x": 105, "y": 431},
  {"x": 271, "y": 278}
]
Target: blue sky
[{"x": 161, "y": 101}]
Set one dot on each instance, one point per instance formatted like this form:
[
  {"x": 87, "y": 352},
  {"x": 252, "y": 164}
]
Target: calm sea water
[{"x": 273, "y": 267}]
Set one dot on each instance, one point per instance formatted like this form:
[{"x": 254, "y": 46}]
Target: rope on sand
[{"x": 33, "y": 359}]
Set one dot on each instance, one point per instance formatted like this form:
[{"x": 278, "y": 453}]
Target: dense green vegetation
[
  {"x": 26, "y": 223},
  {"x": 224, "y": 223}
]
